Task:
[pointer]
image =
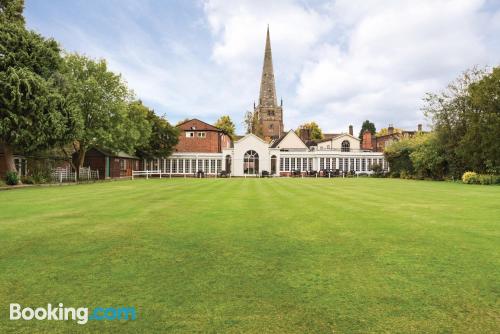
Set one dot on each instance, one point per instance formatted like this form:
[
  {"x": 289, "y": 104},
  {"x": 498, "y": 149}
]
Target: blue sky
[{"x": 336, "y": 62}]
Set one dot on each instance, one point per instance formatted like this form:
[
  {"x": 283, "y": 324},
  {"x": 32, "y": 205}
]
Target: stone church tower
[{"x": 268, "y": 114}]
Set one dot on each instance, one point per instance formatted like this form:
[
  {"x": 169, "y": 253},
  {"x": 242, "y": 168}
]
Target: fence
[
  {"x": 160, "y": 174},
  {"x": 68, "y": 175}
]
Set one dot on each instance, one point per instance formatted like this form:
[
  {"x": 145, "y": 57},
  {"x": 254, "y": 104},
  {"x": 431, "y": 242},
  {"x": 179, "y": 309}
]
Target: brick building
[
  {"x": 379, "y": 143},
  {"x": 198, "y": 136}
]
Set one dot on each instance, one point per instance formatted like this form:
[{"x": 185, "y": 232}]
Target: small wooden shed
[{"x": 111, "y": 164}]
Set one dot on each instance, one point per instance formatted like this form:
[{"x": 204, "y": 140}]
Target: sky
[{"x": 336, "y": 62}]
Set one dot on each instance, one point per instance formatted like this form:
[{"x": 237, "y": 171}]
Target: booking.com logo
[{"x": 81, "y": 314}]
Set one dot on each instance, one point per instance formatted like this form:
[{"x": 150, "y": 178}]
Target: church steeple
[
  {"x": 268, "y": 113},
  {"x": 267, "y": 86}
]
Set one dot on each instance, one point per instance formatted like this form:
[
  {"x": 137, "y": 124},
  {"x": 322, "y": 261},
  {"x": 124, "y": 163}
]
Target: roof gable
[
  {"x": 197, "y": 124},
  {"x": 250, "y": 135},
  {"x": 289, "y": 140}
]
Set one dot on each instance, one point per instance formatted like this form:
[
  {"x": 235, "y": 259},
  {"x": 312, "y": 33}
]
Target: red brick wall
[
  {"x": 366, "y": 143},
  {"x": 213, "y": 142}
]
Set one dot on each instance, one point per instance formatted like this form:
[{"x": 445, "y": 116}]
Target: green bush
[
  {"x": 404, "y": 174},
  {"x": 28, "y": 180},
  {"x": 487, "y": 179},
  {"x": 11, "y": 178}
]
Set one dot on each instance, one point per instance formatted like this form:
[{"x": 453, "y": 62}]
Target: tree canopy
[
  {"x": 367, "y": 125},
  {"x": 314, "y": 128},
  {"x": 33, "y": 112},
  {"x": 103, "y": 106},
  {"x": 466, "y": 120},
  {"x": 225, "y": 124},
  {"x": 163, "y": 136}
]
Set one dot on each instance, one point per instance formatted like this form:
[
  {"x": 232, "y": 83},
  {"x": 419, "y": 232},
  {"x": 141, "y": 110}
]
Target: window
[
  {"x": 251, "y": 162},
  {"x": 189, "y": 134},
  {"x": 287, "y": 164},
  {"x": 304, "y": 164},
  {"x": 352, "y": 164},
  {"x": 327, "y": 163},
  {"x": 363, "y": 165},
  {"x": 292, "y": 163},
  {"x": 357, "y": 164},
  {"x": 219, "y": 166},
  {"x": 193, "y": 166},
  {"x": 228, "y": 163},
  {"x": 212, "y": 166},
  {"x": 321, "y": 163},
  {"x": 273, "y": 165},
  {"x": 181, "y": 166},
  {"x": 345, "y": 146},
  {"x": 327, "y": 147},
  {"x": 168, "y": 165},
  {"x": 174, "y": 166},
  {"x": 202, "y": 134},
  {"x": 281, "y": 165},
  {"x": 123, "y": 164},
  {"x": 341, "y": 164}
]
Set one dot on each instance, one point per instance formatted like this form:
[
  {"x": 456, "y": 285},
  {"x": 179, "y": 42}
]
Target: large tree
[
  {"x": 33, "y": 113},
  {"x": 102, "y": 101},
  {"x": 367, "y": 125},
  {"x": 465, "y": 119},
  {"x": 314, "y": 129},
  {"x": 225, "y": 124},
  {"x": 163, "y": 136}
]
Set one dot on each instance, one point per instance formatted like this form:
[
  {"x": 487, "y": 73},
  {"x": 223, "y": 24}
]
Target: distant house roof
[
  {"x": 328, "y": 136},
  {"x": 119, "y": 154}
]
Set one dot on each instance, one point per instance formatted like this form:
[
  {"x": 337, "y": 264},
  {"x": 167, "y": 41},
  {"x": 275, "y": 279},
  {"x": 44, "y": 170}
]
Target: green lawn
[{"x": 256, "y": 255}]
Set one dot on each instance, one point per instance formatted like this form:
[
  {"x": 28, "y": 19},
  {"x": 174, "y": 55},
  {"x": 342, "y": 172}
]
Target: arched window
[
  {"x": 228, "y": 163},
  {"x": 346, "y": 146},
  {"x": 251, "y": 162},
  {"x": 273, "y": 164}
]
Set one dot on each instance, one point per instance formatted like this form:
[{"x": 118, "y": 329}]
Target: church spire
[{"x": 267, "y": 87}]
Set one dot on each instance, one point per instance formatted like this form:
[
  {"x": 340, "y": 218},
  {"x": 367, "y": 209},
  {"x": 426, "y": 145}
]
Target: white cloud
[
  {"x": 336, "y": 62},
  {"x": 391, "y": 54}
]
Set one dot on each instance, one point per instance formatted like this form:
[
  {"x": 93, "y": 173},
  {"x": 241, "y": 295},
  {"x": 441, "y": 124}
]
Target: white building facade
[{"x": 250, "y": 156}]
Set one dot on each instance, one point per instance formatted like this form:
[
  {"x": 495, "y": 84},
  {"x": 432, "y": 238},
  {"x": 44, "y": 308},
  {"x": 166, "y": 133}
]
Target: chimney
[
  {"x": 390, "y": 129},
  {"x": 367, "y": 143},
  {"x": 305, "y": 134},
  {"x": 419, "y": 127},
  {"x": 351, "y": 130}
]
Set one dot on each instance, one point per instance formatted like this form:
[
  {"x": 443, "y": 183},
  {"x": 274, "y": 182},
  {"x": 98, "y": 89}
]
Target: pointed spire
[{"x": 267, "y": 87}]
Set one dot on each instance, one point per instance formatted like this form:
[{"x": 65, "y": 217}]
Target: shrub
[
  {"x": 487, "y": 179},
  {"x": 404, "y": 174},
  {"x": 11, "y": 178},
  {"x": 470, "y": 178},
  {"x": 28, "y": 180}
]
